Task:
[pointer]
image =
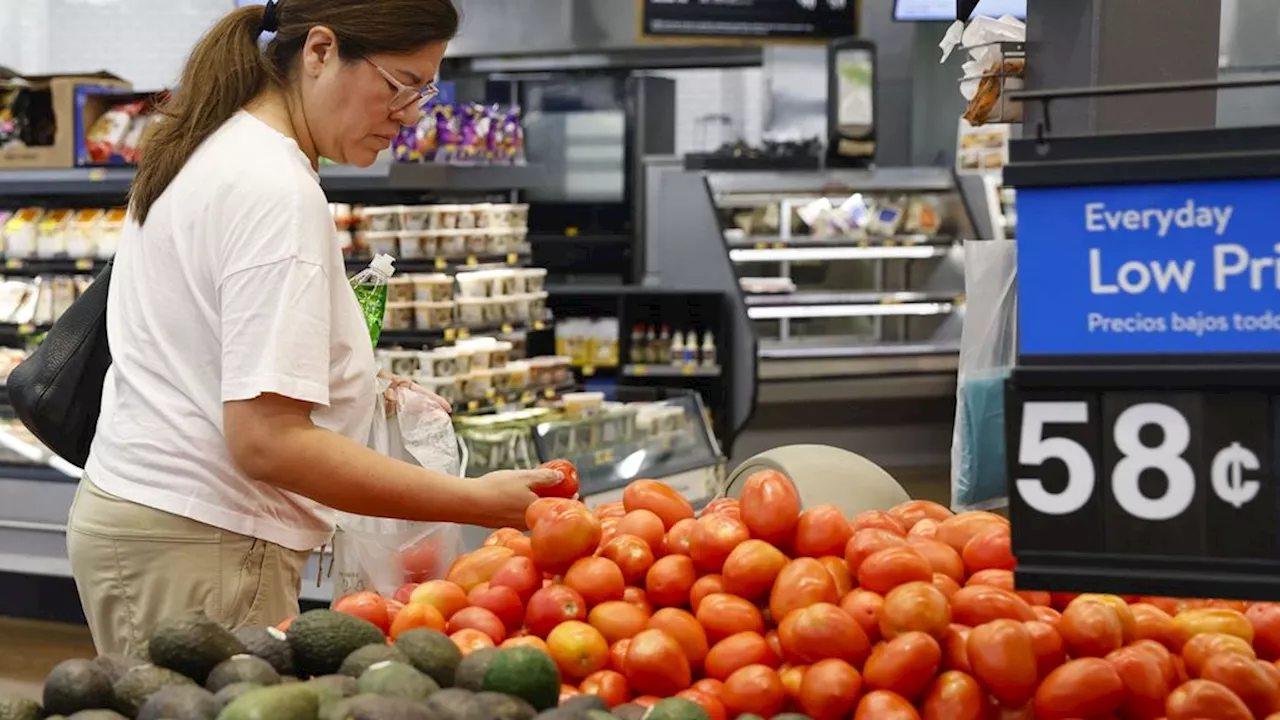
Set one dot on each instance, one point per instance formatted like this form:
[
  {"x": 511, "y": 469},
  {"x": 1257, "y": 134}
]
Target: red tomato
[
  {"x": 1200, "y": 699},
  {"x": 738, "y": 651},
  {"x": 711, "y": 540},
  {"x": 864, "y": 606},
  {"x": 792, "y": 677},
  {"x": 770, "y": 507},
  {"x": 502, "y": 601},
  {"x": 423, "y": 560},
  {"x": 822, "y": 631},
  {"x": 1047, "y": 615},
  {"x": 702, "y": 587},
  {"x": 596, "y": 579},
  {"x": 1190, "y": 623},
  {"x": 913, "y": 511},
  {"x": 894, "y": 566},
  {"x": 636, "y": 596},
  {"x": 726, "y": 505},
  {"x": 478, "y": 566},
  {"x": 865, "y": 543},
  {"x": 668, "y": 582},
  {"x": 822, "y": 530},
  {"x": 830, "y": 690},
  {"x": 545, "y": 506},
  {"x": 924, "y": 529},
  {"x": 1152, "y": 623},
  {"x": 1200, "y": 648},
  {"x": 682, "y": 626},
  {"x": 1265, "y": 619},
  {"x": 656, "y": 665},
  {"x": 645, "y": 525},
  {"x": 566, "y": 487},
  {"x": 608, "y": 531},
  {"x": 958, "y": 530},
  {"x": 416, "y": 615},
  {"x": 751, "y": 569},
  {"x": 710, "y": 704},
  {"x": 443, "y": 595},
  {"x": 1003, "y": 657},
  {"x": 1050, "y": 650},
  {"x": 618, "y": 620},
  {"x": 610, "y": 509},
  {"x": 876, "y": 519},
  {"x": 942, "y": 558},
  {"x": 567, "y": 691},
  {"x": 1248, "y": 679},
  {"x": 838, "y": 569},
  {"x": 659, "y": 498},
  {"x": 945, "y": 585},
  {"x": 1145, "y": 683},
  {"x": 1128, "y": 626},
  {"x": 677, "y": 540},
  {"x": 618, "y": 655},
  {"x": 366, "y": 605},
  {"x": 954, "y": 696},
  {"x": 723, "y": 615},
  {"x": 1090, "y": 629},
  {"x": 563, "y": 536},
  {"x": 974, "y": 605},
  {"x": 532, "y": 641},
  {"x": 631, "y": 554},
  {"x": 915, "y": 606},
  {"x": 519, "y": 574},
  {"x": 608, "y": 685},
  {"x": 578, "y": 649},
  {"x": 885, "y": 705},
  {"x": 754, "y": 689},
  {"x": 801, "y": 583},
  {"x": 955, "y": 648},
  {"x": 1083, "y": 688},
  {"x": 469, "y": 640},
  {"x": 710, "y": 686},
  {"x": 478, "y": 618},
  {"x": 903, "y": 665},
  {"x": 551, "y": 606},
  {"x": 989, "y": 549}
]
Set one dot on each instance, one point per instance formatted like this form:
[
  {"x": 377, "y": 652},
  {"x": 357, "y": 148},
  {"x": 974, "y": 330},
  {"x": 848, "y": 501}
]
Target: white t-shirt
[{"x": 234, "y": 287}]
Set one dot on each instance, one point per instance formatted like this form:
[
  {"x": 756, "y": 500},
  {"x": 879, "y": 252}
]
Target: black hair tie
[{"x": 270, "y": 17}]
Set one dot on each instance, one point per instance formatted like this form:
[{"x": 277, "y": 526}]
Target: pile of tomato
[{"x": 756, "y": 606}]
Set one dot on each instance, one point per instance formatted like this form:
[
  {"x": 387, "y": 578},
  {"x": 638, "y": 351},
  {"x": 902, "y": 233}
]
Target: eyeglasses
[{"x": 406, "y": 95}]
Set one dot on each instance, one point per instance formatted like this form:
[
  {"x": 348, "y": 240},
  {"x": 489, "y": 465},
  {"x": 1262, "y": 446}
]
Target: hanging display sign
[{"x": 773, "y": 20}]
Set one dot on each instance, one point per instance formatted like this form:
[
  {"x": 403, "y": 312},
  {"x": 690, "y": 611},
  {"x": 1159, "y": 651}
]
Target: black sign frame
[{"x": 755, "y": 21}]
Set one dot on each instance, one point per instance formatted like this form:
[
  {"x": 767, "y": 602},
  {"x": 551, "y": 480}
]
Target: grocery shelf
[
  {"x": 751, "y": 189},
  {"x": 421, "y": 338},
  {"x": 808, "y": 253},
  {"x": 786, "y": 306},
  {"x": 760, "y": 242},
  {"x": 52, "y": 266},
  {"x": 654, "y": 370},
  {"x": 496, "y": 401},
  {"x": 792, "y": 351},
  {"x": 442, "y": 264}
]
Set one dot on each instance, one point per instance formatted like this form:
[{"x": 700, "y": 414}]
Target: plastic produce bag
[
  {"x": 383, "y": 554},
  {"x": 978, "y": 471}
]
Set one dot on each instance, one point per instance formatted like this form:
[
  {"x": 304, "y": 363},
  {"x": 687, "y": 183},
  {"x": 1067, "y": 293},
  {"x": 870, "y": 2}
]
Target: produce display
[{"x": 751, "y": 608}]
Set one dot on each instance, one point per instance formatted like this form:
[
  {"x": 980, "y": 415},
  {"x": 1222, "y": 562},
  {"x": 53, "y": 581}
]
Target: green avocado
[
  {"x": 370, "y": 655},
  {"x": 393, "y": 679},
  {"x": 75, "y": 685},
  {"x": 278, "y": 702},
  {"x": 526, "y": 673},
  {"x": 242, "y": 668},
  {"x": 13, "y": 707},
  {"x": 676, "y": 709},
  {"x": 193, "y": 645},
  {"x": 188, "y": 702},
  {"x": 138, "y": 684},
  {"x": 322, "y": 639},
  {"x": 269, "y": 644},
  {"x": 377, "y": 707},
  {"x": 433, "y": 653}
]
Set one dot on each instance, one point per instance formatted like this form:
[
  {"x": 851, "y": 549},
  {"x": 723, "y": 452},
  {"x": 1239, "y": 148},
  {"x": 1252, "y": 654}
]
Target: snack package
[
  {"x": 51, "y": 233},
  {"x": 106, "y": 138},
  {"x": 990, "y": 70},
  {"x": 20, "y": 232}
]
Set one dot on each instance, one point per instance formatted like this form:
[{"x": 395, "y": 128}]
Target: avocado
[
  {"x": 188, "y": 702},
  {"x": 278, "y": 702},
  {"x": 558, "y": 714},
  {"x": 675, "y": 708},
  {"x": 582, "y": 703},
  {"x": 233, "y": 691},
  {"x": 473, "y": 668},
  {"x": 13, "y": 707},
  {"x": 193, "y": 645},
  {"x": 455, "y": 704},
  {"x": 75, "y": 685},
  {"x": 749, "y": 716},
  {"x": 393, "y": 679},
  {"x": 242, "y": 668},
  {"x": 370, "y": 655},
  {"x": 600, "y": 715},
  {"x": 791, "y": 716},
  {"x": 376, "y": 707},
  {"x": 139, "y": 683},
  {"x": 632, "y": 711},
  {"x": 97, "y": 715},
  {"x": 322, "y": 639},
  {"x": 329, "y": 689},
  {"x": 499, "y": 706},
  {"x": 115, "y": 666},
  {"x": 269, "y": 644},
  {"x": 432, "y": 652},
  {"x": 526, "y": 673}
]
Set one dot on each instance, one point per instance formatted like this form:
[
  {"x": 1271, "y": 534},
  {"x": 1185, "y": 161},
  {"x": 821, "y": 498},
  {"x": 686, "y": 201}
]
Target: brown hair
[{"x": 228, "y": 68}]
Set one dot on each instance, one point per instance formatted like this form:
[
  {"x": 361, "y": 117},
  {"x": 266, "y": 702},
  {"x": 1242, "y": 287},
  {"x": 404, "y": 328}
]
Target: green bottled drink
[{"x": 370, "y": 286}]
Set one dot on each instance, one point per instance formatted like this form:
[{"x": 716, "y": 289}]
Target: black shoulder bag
[{"x": 57, "y": 391}]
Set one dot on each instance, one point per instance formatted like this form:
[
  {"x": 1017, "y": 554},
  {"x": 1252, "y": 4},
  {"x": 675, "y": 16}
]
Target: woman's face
[{"x": 349, "y": 105}]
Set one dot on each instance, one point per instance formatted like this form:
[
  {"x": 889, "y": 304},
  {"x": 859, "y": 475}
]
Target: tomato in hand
[{"x": 567, "y": 487}]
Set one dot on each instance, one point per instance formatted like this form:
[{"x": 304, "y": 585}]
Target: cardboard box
[
  {"x": 58, "y": 93},
  {"x": 91, "y": 103}
]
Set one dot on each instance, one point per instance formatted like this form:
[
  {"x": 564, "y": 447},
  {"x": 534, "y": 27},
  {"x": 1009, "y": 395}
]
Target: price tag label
[
  {"x": 84, "y": 264},
  {"x": 588, "y": 370},
  {"x": 507, "y": 329},
  {"x": 26, "y": 329},
  {"x": 688, "y": 369},
  {"x": 471, "y": 261},
  {"x": 14, "y": 264},
  {"x": 640, "y": 370},
  {"x": 441, "y": 263},
  {"x": 603, "y": 457},
  {"x": 450, "y": 334},
  {"x": 464, "y": 333},
  {"x": 473, "y": 405},
  {"x": 512, "y": 258}
]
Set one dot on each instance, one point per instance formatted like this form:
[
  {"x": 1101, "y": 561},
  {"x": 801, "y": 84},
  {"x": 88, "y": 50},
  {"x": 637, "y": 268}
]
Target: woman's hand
[
  {"x": 506, "y": 494},
  {"x": 398, "y": 382}
]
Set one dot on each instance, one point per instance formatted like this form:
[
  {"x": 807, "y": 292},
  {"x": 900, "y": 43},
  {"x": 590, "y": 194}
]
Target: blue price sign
[{"x": 1189, "y": 268}]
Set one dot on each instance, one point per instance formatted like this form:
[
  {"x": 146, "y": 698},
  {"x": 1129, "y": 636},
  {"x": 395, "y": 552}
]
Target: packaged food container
[
  {"x": 471, "y": 311},
  {"x": 516, "y": 239},
  {"x": 478, "y": 383},
  {"x": 535, "y": 279},
  {"x": 470, "y": 216},
  {"x": 382, "y": 242},
  {"x": 537, "y": 305},
  {"x": 513, "y": 282},
  {"x": 400, "y": 288},
  {"x": 481, "y": 349},
  {"x": 542, "y": 371},
  {"x": 431, "y": 287},
  {"x": 583, "y": 404},
  {"x": 519, "y": 215},
  {"x": 399, "y": 316},
  {"x": 440, "y": 362},
  {"x": 475, "y": 284},
  {"x": 562, "y": 369},
  {"x": 475, "y": 241},
  {"x": 500, "y": 354},
  {"x": 462, "y": 360},
  {"x": 447, "y": 387},
  {"x": 430, "y": 243},
  {"x": 432, "y": 216},
  {"x": 496, "y": 215},
  {"x": 447, "y": 216},
  {"x": 404, "y": 363},
  {"x": 515, "y": 308},
  {"x": 416, "y": 217},
  {"x": 497, "y": 241},
  {"x": 493, "y": 310},
  {"x": 501, "y": 379},
  {"x": 411, "y": 246},
  {"x": 451, "y": 243},
  {"x": 381, "y": 218},
  {"x": 438, "y": 314},
  {"x": 518, "y": 375}
]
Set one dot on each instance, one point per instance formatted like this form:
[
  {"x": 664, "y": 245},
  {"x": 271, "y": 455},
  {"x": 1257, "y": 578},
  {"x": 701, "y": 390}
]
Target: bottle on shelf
[
  {"x": 690, "y": 355},
  {"x": 638, "y": 354},
  {"x": 650, "y": 345},
  {"x": 676, "y": 356},
  {"x": 708, "y": 350},
  {"x": 664, "y": 345}
]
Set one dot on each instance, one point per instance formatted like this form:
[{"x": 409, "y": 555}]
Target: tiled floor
[{"x": 29, "y": 649}]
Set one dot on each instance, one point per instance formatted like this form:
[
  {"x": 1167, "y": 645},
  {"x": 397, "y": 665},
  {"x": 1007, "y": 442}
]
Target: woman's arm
[{"x": 272, "y": 439}]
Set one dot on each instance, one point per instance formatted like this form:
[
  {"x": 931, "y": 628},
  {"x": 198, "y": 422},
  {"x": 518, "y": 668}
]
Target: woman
[{"x": 243, "y": 386}]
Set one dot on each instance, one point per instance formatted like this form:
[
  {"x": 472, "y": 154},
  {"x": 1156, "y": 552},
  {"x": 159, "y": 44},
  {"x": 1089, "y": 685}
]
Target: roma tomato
[
  {"x": 710, "y": 704},
  {"x": 726, "y": 505},
  {"x": 915, "y": 606},
  {"x": 618, "y": 620},
  {"x": 710, "y": 686},
  {"x": 682, "y": 626},
  {"x": 990, "y": 549},
  {"x": 1152, "y": 623},
  {"x": 1145, "y": 683},
  {"x": 1265, "y": 619},
  {"x": 578, "y": 649},
  {"x": 958, "y": 530},
  {"x": 646, "y": 525},
  {"x": 822, "y": 631},
  {"x": 954, "y": 696},
  {"x": 913, "y": 511},
  {"x": 368, "y": 606},
  {"x": 801, "y": 583},
  {"x": 414, "y": 616},
  {"x": 1047, "y": 615},
  {"x": 945, "y": 585},
  {"x": 469, "y": 640},
  {"x": 478, "y": 566},
  {"x": 1190, "y": 623},
  {"x": 942, "y": 558},
  {"x": 1051, "y": 651},
  {"x": 478, "y": 618},
  {"x": 925, "y": 529},
  {"x": 660, "y": 499},
  {"x": 792, "y": 677},
  {"x": 903, "y": 665},
  {"x": 596, "y": 579},
  {"x": 838, "y": 569},
  {"x": 608, "y": 685},
  {"x": 677, "y": 540},
  {"x": 551, "y": 606},
  {"x": 865, "y": 543},
  {"x": 1083, "y": 688},
  {"x": 754, "y": 689},
  {"x": 443, "y": 595},
  {"x": 830, "y": 690},
  {"x": 885, "y": 705},
  {"x": 610, "y": 509},
  {"x": 656, "y": 665},
  {"x": 545, "y": 506},
  {"x": 618, "y": 655},
  {"x": 631, "y": 554},
  {"x": 1201, "y": 647},
  {"x": 1003, "y": 657},
  {"x": 532, "y": 641},
  {"x": 608, "y": 531},
  {"x": 502, "y": 601},
  {"x": 822, "y": 530},
  {"x": 702, "y": 587},
  {"x": 668, "y": 582},
  {"x": 1091, "y": 629},
  {"x": 636, "y": 596},
  {"x": 770, "y": 507},
  {"x": 894, "y": 566},
  {"x": 566, "y": 487},
  {"x": 752, "y": 567},
  {"x": 974, "y": 605},
  {"x": 1128, "y": 626},
  {"x": 1201, "y": 699},
  {"x": 563, "y": 536},
  {"x": 723, "y": 615},
  {"x": 738, "y": 651},
  {"x": 955, "y": 648},
  {"x": 713, "y": 538},
  {"x": 864, "y": 607},
  {"x": 1248, "y": 679},
  {"x": 519, "y": 574}
]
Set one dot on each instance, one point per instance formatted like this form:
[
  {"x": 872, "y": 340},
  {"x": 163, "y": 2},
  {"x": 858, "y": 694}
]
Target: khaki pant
[{"x": 135, "y": 566}]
